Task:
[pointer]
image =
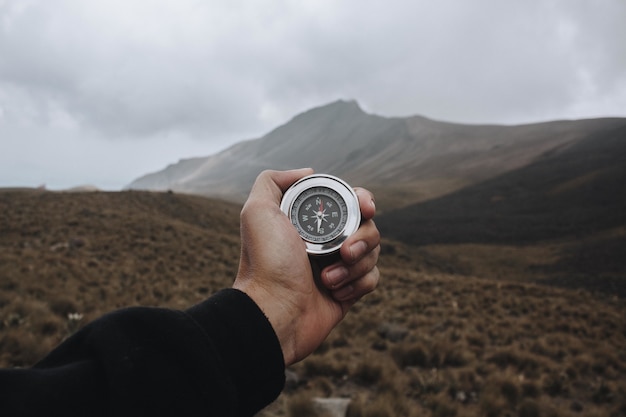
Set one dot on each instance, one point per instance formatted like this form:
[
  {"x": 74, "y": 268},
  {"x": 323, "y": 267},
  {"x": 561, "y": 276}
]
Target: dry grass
[
  {"x": 90, "y": 253},
  {"x": 425, "y": 343},
  {"x": 478, "y": 347}
]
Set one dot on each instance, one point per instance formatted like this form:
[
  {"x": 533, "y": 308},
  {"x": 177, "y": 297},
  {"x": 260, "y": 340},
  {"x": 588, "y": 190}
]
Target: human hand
[{"x": 275, "y": 271}]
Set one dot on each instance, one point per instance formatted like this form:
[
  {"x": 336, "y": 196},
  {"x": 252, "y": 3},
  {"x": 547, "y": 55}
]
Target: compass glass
[
  {"x": 324, "y": 210},
  {"x": 319, "y": 214}
]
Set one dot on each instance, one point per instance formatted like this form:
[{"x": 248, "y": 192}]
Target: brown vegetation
[
  {"x": 479, "y": 347},
  {"x": 426, "y": 343},
  {"x": 90, "y": 253}
]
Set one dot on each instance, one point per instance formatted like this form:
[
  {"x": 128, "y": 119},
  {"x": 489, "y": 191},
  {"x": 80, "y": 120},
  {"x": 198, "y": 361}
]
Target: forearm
[{"x": 220, "y": 357}]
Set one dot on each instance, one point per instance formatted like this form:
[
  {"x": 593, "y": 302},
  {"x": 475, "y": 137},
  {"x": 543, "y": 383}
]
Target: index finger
[{"x": 367, "y": 203}]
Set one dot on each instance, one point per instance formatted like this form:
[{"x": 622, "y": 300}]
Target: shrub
[
  {"x": 300, "y": 405},
  {"x": 356, "y": 408},
  {"x": 510, "y": 392},
  {"x": 476, "y": 340},
  {"x": 47, "y": 325},
  {"x": 321, "y": 366},
  {"x": 554, "y": 385},
  {"x": 321, "y": 387},
  {"x": 530, "y": 389},
  {"x": 441, "y": 408},
  {"x": 457, "y": 357},
  {"x": 380, "y": 407},
  {"x": 531, "y": 366},
  {"x": 528, "y": 408},
  {"x": 492, "y": 403},
  {"x": 62, "y": 306},
  {"x": 414, "y": 355},
  {"x": 603, "y": 395},
  {"x": 368, "y": 373}
]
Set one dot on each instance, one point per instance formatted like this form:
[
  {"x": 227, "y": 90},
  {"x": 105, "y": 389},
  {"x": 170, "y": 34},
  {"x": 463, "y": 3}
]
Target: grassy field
[
  {"x": 428, "y": 343},
  {"x": 453, "y": 330}
]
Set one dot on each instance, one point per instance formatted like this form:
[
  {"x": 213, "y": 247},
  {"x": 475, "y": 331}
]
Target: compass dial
[
  {"x": 324, "y": 210},
  {"x": 319, "y": 214}
]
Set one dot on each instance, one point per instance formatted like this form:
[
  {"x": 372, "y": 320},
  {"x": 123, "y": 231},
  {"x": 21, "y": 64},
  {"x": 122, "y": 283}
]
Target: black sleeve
[{"x": 219, "y": 358}]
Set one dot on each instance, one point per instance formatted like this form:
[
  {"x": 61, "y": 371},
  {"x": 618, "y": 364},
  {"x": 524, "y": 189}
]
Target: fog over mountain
[{"x": 403, "y": 154}]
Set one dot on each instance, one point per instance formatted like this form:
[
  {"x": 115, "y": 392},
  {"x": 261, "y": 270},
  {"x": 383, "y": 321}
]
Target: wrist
[{"x": 280, "y": 314}]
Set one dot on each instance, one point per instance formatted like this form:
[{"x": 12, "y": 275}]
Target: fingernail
[
  {"x": 336, "y": 276},
  {"x": 357, "y": 250}
]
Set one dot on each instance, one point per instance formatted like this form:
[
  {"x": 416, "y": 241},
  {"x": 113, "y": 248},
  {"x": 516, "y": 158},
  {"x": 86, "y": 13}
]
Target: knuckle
[{"x": 365, "y": 265}]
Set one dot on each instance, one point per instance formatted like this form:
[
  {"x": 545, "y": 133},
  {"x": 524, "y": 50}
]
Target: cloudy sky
[{"x": 100, "y": 92}]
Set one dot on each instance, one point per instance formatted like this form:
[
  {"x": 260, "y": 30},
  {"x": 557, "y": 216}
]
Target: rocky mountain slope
[{"x": 427, "y": 157}]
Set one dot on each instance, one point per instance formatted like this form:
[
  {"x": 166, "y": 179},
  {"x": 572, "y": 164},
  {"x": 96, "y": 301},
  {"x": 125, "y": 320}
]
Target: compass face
[
  {"x": 319, "y": 214},
  {"x": 324, "y": 210}
]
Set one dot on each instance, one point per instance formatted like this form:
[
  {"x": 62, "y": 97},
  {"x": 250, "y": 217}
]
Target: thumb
[{"x": 272, "y": 184}]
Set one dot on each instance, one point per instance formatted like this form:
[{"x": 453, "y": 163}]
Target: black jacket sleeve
[{"x": 219, "y": 358}]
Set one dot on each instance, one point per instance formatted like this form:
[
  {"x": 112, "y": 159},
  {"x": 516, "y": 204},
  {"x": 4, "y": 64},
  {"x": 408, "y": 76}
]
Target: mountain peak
[
  {"x": 338, "y": 108},
  {"x": 341, "y": 103}
]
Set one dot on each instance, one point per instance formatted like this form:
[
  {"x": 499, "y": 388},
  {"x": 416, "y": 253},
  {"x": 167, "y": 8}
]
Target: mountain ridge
[
  {"x": 373, "y": 151},
  {"x": 558, "y": 195}
]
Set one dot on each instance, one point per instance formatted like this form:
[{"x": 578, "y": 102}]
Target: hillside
[
  {"x": 90, "y": 253},
  {"x": 570, "y": 200},
  {"x": 569, "y": 192},
  {"x": 426, "y": 343},
  {"x": 413, "y": 156}
]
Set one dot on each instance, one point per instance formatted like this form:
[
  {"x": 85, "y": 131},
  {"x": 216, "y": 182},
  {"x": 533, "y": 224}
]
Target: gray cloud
[{"x": 179, "y": 78}]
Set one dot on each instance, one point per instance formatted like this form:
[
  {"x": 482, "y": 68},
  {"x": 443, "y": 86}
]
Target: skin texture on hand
[{"x": 275, "y": 271}]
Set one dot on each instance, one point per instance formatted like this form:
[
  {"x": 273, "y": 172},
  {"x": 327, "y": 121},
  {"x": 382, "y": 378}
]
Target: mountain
[
  {"x": 404, "y": 159},
  {"x": 567, "y": 192},
  {"x": 560, "y": 220}
]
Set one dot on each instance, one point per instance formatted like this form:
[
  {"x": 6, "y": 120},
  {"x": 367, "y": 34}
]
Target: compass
[{"x": 324, "y": 210}]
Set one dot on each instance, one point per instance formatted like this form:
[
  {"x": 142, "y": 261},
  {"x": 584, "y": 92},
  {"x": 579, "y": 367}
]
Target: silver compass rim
[{"x": 344, "y": 190}]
